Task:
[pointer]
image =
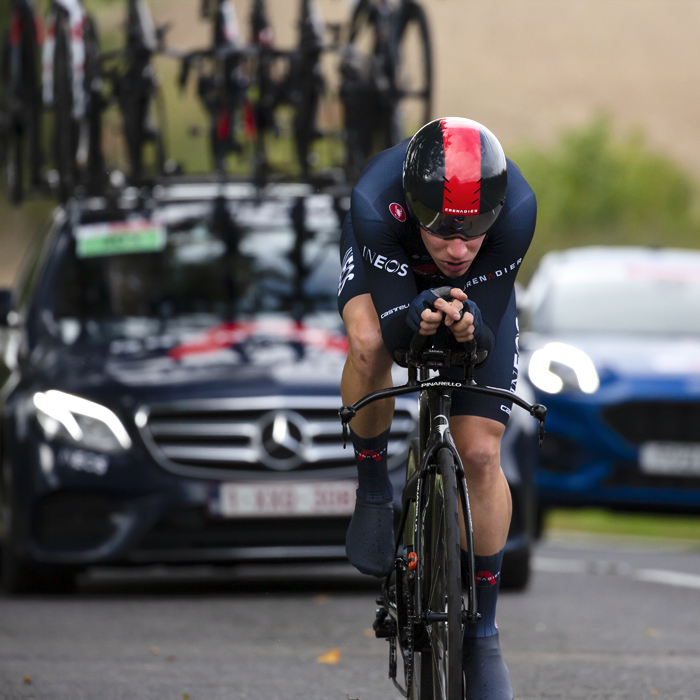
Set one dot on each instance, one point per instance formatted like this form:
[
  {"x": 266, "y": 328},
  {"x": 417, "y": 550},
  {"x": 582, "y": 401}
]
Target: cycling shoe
[
  {"x": 486, "y": 676},
  {"x": 369, "y": 542}
]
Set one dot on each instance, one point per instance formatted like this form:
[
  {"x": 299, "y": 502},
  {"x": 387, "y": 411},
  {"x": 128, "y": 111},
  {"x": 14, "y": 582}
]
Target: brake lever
[
  {"x": 346, "y": 413},
  {"x": 539, "y": 412}
]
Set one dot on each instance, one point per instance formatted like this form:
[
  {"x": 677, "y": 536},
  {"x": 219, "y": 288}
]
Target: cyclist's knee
[
  {"x": 367, "y": 351},
  {"x": 478, "y": 441}
]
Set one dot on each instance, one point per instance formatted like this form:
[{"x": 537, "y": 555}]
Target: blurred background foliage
[{"x": 594, "y": 187}]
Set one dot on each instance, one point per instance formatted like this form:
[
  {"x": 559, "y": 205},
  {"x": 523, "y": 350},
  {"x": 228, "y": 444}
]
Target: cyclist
[{"x": 445, "y": 208}]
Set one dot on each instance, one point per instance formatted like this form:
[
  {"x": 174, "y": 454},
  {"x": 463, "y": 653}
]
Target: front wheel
[
  {"x": 443, "y": 586},
  {"x": 419, "y": 681}
]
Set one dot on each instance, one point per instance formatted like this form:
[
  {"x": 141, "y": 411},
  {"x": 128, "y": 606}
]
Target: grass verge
[{"x": 646, "y": 525}]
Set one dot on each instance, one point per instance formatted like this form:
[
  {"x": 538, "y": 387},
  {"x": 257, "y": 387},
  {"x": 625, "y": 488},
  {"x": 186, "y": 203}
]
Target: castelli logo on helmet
[{"x": 397, "y": 211}]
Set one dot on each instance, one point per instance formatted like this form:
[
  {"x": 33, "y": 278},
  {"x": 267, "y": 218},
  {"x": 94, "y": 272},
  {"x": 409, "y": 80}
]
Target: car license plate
[
  {"x": 670, "y": 458},
  {"x": 269, "y": 500}
]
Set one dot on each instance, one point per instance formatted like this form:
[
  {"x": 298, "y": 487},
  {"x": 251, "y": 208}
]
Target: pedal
[{"x": 384, "y": 625}]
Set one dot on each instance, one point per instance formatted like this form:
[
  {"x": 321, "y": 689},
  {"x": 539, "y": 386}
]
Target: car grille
[
  {"x": 218, "y": 437},
  {"x": 647, "y": 421}
]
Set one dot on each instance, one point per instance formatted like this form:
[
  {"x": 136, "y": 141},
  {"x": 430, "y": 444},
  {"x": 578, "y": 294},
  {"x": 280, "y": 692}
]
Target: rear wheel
[{"x": 443, "y": 586}]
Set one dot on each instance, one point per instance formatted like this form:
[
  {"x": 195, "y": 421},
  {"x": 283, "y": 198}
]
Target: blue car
[{"x": 611, "y": 345}]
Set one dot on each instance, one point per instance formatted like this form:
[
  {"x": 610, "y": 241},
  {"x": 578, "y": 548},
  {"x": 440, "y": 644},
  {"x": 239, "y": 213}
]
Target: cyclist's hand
[
  {"x": 463, "y": 330},
  {"x": 452, "y": 309},
  {"x": 426, "y": 321}
]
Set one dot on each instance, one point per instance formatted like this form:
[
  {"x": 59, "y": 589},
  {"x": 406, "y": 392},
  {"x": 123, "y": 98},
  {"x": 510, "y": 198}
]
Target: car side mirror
[{"x": 5, "y": 306}]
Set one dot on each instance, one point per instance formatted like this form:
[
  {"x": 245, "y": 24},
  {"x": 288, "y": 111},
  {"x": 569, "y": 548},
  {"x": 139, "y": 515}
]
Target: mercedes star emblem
[{"x": 283, "y": 439}]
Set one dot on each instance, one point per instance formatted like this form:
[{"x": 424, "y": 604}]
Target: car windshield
[
  {"x": 662, "y": 301},
  {"x": 188, "y": 267}
]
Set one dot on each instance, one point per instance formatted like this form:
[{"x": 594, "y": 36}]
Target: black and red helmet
[{"x": 455, "y": 177}]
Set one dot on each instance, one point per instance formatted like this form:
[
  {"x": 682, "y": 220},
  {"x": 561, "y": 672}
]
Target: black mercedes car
[{"x": 170, "y": 388}]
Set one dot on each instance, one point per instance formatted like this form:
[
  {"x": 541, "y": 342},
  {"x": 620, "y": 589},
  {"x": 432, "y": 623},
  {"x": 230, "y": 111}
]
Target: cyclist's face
[{"x": 453, "y": 256}]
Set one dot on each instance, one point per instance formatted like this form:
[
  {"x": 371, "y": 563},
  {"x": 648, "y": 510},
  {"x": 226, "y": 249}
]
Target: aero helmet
[{"x": 455, "y": 177}]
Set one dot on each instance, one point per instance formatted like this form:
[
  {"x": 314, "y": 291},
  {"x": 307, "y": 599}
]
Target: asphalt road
[{"x": 599, "y": 621}]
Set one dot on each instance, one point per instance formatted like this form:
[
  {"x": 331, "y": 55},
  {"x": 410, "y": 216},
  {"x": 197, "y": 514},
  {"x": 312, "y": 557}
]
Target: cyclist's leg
[
  {"x": 369, "y": 541},
  {"x": 367, "y": 367},
  {"x": 478, "y": 441},
  {"x": 477, "y": 425}
]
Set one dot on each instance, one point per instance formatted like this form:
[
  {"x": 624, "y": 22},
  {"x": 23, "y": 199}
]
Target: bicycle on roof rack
[
  {"x": 242, "y": 87},
  {"x": 138, "y": 93},
  {"x": 21, "y": 108},
  {"x": 71, "y": 86},
  {"x": 421, "y": 607},
  {"x": 78, "y": 112},
  {"x": 222, "y": 81}
]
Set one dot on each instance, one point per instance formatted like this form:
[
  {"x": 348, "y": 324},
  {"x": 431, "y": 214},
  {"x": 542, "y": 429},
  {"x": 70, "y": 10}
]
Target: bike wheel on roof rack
[
  {"x": 96, "y": 174},
  {"x": 413, "y": 73},
  {"x": 364, "y": 90},
  {"x": 14, "y": 162},
  {"x": 65, "y": 137},
  {"x": 21, "y": 112}
]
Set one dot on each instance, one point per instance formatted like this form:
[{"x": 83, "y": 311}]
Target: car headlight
[
  {"x": 557, "y": 366},
  {"x": 80, "y": 421}
]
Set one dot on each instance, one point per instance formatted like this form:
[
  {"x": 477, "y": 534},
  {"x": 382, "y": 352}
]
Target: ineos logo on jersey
[
  {"x": 346, "y": 272},
  {"x": 383, "y": 263},
  {"x": 397, "y": 211}
]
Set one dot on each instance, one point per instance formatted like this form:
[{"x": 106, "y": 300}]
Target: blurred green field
[{"x": 597, "y": 521}]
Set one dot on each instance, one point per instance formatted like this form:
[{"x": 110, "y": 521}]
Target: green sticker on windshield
[{"x": 119, "y": 238}]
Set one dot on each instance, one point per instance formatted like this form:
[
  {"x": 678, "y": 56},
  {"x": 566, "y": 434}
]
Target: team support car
[
  {"x": 171, "y": 367},
  {"x": 611, "y": 344}
]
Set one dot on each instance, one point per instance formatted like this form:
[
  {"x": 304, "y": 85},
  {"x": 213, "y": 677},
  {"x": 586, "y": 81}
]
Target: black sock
[
  {"x": 487, "y": 572},
  {"x": 372, "y": 477}
]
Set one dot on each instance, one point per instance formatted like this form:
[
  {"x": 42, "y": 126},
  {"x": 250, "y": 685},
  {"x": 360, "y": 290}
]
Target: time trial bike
[{"x": 424, "y": 603}]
